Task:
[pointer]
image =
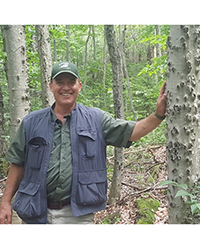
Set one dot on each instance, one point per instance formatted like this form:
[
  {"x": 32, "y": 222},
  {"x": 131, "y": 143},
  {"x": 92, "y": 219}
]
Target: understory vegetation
[
  {"x": 142, "y": 200},
  {"x": 145, "y": 52}
]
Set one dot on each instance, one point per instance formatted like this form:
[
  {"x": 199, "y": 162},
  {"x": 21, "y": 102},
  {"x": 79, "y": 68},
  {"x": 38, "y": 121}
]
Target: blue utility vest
[{"x": 89, "y": 182}]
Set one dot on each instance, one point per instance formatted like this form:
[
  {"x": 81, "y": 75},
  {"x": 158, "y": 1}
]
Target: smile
[{"x": 66, "y": 94}]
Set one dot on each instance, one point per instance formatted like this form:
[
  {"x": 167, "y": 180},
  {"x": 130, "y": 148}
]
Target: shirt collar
[{"x": 54, "y": 117}]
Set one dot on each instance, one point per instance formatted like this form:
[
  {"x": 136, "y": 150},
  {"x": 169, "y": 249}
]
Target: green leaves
[
  {"x": 194, "y": 204},
  {"x": 173, "y": 183},
  {"x": 156, "y": 39},
  {"x": 195, "y": 208},
  {"x": 146, "y": 210},
  {"x": 96, "y": 73},
  {"x": 184, "y": 193},
  {"x": 157, "y": 65}
]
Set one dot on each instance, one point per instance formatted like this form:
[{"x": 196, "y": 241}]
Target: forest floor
[{"x": 144, "y": 168}]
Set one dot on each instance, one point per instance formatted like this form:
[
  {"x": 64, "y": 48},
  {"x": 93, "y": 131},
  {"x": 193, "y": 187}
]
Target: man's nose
[{"x": 66, "y": 85}]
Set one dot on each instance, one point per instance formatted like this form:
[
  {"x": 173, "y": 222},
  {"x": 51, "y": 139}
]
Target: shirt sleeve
[
  {"x": 16, "y": 151},
  {"x": 117, "y": 132}
]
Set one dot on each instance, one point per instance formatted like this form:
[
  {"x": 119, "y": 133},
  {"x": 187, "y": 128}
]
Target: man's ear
[
  {"x": 80, "y": 86},
  {"x": 50, "y": 86}
]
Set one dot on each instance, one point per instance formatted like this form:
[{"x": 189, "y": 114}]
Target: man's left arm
[{"x": 144, "y": 126}]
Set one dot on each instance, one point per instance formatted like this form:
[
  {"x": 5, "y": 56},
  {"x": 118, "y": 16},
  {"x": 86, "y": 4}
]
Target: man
[{"x": 58, "y": 157}]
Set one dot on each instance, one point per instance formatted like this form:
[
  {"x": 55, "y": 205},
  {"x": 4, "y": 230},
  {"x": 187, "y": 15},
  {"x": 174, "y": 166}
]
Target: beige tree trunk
[
  {"x": 3, "y": 143},
  {"x": 44, "y": 51},
  {"x": 183, "y": 119},
  {"x": 86, "y": 57},
  {"x": 116, "y": 61},
  {"x": 68, "y": 43},
  {"x": 94, "y": 48},
  {"x": 104, "y": 68},
  {"x": 54, "y": 47},
  {"x": 122, "y": 45},
  {"x": 16, "y": 72},
  {"x": 157, "y": 47}
]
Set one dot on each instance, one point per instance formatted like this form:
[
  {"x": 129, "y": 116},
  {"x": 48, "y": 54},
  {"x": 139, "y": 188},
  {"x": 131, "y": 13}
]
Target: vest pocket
[
  {"x": 87, "y": 143},
  {"x": 28, "y": 200},
  {"x": 36, "y": 148},
  {"x": 92, "y": 188}
]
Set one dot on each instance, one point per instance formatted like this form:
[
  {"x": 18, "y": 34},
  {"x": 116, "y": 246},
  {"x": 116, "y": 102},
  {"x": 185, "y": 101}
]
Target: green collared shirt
[
  {"x": 59, "y": 173},
  {"x": 116, "y": 132}
]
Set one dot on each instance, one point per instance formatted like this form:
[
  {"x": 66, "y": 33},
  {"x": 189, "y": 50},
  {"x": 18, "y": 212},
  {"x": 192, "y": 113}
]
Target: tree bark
[
  {"x": 122, "y": 42},
  {"x": 104, "y": 69},
  {"x": 183, "y": 144},
  {"x": 85, "y": 62},
  {"x": 68, "y": 43},
  {"x": 16, "y": 72},
  {"x": 157, "y": 49},
  {"x": 44, "y": 51},
  {"x": 94, "y": 43},
  {"x": 3, "y": 143},
  {"x": 95, "y": 50},
  {"x": 54, "y": 47},
  {"x": 116, "y": 61}
]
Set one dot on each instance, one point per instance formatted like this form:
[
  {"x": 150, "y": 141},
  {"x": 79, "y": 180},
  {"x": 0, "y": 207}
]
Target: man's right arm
[{"x": 14, "y": 178}]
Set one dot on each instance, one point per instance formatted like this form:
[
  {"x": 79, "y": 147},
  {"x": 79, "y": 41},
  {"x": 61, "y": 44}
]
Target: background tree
[
  {"x": 122, "y": 45},
  {"x": 3, "y": 128},
  {"x": 16, "y": 72},
  {"x": 3, "y": 142},
  {"x": 68, "y": 42},
  {"x": 183, "y": 144},
  {"x": 86, "y": 58},
  {"x": 116, "y": 61},
  {"x": 142, "y": 67},
  {"x": 54, "y": 47},
  {"x": 44, "y": 51},
  {"x": 142, "y": 73}
]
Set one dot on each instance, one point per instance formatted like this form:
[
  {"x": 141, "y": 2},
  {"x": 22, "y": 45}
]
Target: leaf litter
[{"x": 144, "y": 169}]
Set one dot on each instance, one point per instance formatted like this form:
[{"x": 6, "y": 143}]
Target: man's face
[{"x": 65, "y": 88}]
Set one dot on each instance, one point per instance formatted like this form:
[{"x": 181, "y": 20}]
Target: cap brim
[{"x": 65, "y": 71}]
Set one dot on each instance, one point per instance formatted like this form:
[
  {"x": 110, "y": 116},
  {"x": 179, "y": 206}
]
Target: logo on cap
[{"x": 64, "y": 65}]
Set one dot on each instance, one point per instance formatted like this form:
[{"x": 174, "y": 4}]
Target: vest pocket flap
[
  {"x": 28, "y": 200},
  {"x": 92, "y": 188},
  {"x": 30, "y": 188},
  {"x": 92, "y": 177},
  {"x": 86, "y": 133}
]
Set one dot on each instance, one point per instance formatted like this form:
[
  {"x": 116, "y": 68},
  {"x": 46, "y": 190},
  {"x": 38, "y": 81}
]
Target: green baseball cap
[{"x": 64, "y": 67}]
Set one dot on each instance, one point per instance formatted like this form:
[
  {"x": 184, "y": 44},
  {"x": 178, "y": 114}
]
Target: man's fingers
[
  {"x": 9, "y": 219},
  {"x": 162, "y": 91}
]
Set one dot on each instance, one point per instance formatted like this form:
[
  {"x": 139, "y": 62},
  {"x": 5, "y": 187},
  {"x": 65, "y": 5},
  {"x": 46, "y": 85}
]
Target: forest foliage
[
  {"x": 85, "y": 46},
  {"x": 144, "y": 49}
]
